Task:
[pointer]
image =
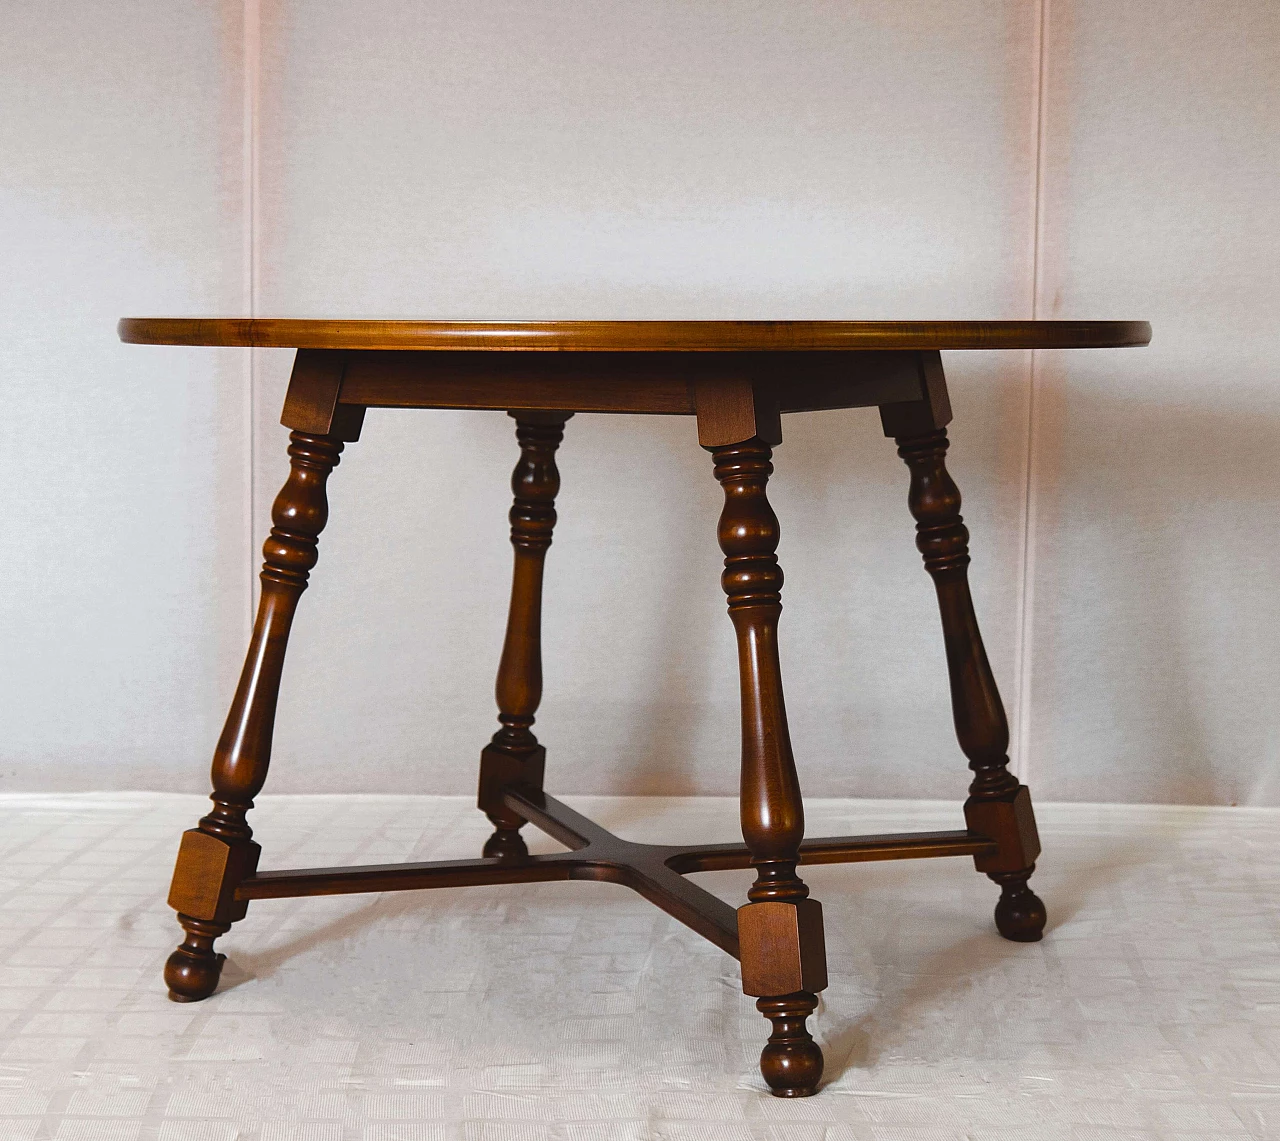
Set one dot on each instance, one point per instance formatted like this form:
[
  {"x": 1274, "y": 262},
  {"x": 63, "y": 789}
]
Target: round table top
[{"x": 632, "y": 336}]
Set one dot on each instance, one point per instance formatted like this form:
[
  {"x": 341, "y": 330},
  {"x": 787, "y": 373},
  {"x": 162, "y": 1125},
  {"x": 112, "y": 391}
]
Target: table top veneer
[{"x": 632, "y": 336}]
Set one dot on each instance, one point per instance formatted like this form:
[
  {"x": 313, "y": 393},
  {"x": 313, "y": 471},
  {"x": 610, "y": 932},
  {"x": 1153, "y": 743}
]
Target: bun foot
[
  {"x": 1020, "y": 914},
  {"x": 192, "y": 971},
  {"x": 791, "y": 1062},
  {"x": 505, "y": 844}
]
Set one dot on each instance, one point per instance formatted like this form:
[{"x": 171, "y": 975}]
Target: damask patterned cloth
[{"x": 578, "y": 1012}]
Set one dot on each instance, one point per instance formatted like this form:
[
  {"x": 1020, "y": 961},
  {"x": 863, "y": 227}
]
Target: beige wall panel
[
  {"x": 1156, "y": 612},
  {"x": 122, "y": 469},
  {"x": 642, "y": 160}
]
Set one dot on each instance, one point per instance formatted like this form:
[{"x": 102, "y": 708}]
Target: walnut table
[{"x": 737, "y": 379}]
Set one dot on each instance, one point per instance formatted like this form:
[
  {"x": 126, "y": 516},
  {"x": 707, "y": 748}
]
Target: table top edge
[{"x": 628, "y": 336}]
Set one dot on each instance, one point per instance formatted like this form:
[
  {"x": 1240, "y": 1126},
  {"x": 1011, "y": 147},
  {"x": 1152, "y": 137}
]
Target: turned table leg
[
  {"x": 220, "y": 852},
  {"x": 780, "y": 929},
  {"x": 514, "y": 754},
  {"x": 998, "y": 806}
]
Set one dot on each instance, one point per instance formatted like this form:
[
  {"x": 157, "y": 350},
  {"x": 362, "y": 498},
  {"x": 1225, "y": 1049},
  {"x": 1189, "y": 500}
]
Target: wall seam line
[
  {"x": 1026, "y": 585},
  {"x": 251, "y": 45}
]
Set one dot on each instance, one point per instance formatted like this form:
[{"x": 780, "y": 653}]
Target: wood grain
[
  {"x": 654, "y": 870},
  {"x": 998, "y": 806},
  {"x": 737, "y": 377},
  {"x": 205, "y": 878},
  {"x": 311, "y": 404},
  {"x": 630, "y": 336},
  {"x": 651, "y": 383},
  {"x": 514, "y": 754},
  {"x": 780, "y": 929}
]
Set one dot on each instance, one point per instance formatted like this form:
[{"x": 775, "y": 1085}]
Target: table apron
[{"x": 627, "y": 382}]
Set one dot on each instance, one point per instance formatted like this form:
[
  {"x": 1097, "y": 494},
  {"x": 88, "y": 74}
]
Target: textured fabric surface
[{"x": 575, "y": 1011}]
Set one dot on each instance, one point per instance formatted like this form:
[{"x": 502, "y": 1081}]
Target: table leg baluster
[
  {"x": 780, "y": 929},
  {"x": 514, "y": 754},
  {"x": 220, "y": 852},
  {"x": 998, "y": 806}
]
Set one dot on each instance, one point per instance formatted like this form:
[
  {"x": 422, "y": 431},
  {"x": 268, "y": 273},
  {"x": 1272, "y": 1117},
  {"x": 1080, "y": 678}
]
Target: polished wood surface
[
  {"x": 734, "y": 395},
  {"x": 514, "y": 755},
  {"x": 631, "y": 336},
  {"x": 998, "y": 805},
  {"x": 655, "y": 870},
  {"x": 532, "y": 804},
  {"x": 738, "y": 380},
  {"x": 783, "y": 951},
  {"x": 217, "y": 854}
]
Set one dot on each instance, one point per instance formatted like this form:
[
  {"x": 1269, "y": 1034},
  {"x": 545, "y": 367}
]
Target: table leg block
[
  {"x": 207, "y": 873},
  {"x": 500, "y": 769},
  {"x": 784, "y": 963},
  {"x": 1010, "y": 821},
  {"x": 783, "y": 948},
  {"x": 203, "y": 893}
]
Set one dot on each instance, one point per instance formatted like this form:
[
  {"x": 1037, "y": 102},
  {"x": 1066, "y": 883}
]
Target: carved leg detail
[
  {"x": 792, "y": 1061},
  {"x": 504, "y": 844},
  {"x": 780, "y": 929},
  {"x": 192, "y": 971},
  {"x": 514, "y": 753},
  {"x": 1020, "y": 914},
  {"x": 998, "y": 806},
  {"x": 220, "y": 852}
]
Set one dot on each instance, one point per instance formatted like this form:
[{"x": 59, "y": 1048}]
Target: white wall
[
  {"x": 122, "y": 474},
  {"x": 1156, "y": 621},
  {"x": 641, "y": 159}
]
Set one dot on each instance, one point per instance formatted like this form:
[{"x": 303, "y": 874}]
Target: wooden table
[{"x": 737, "y": 379}]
